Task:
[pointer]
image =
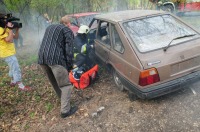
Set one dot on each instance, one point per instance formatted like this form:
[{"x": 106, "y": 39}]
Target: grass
[
  {"x": 29, "y": 60},
  {"x": 48, "y": 106}
]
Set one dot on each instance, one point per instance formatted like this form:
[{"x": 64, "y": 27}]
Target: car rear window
[{"x": 157, "y": 32}]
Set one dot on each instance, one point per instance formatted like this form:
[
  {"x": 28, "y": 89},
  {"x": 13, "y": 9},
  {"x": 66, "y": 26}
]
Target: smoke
[{"x": 31, "y": 33}]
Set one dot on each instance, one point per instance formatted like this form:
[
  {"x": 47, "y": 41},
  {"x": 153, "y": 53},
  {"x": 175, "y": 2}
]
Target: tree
[{"x": 27, "y": 9}]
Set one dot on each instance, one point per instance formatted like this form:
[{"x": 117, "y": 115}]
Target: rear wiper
[{"x": 184, "y": 36}]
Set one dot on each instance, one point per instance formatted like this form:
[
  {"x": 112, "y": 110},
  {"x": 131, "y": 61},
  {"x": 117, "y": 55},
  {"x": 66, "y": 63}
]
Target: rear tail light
[{"x": 148, "y": 77}]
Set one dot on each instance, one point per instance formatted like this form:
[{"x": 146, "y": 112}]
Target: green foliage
[
  {"x": 26, "y": 126},
  {"x": 30, "y": 60},
  {"x": 58, "y": 8},
  {"x": 32, "y": 114},
  {"x": 48, "y": 106},
  {"x": 27, "y": 59}
]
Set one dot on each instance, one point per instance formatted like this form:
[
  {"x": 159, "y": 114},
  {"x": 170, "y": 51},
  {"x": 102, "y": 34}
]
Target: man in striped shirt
[{"x": 55, "y": 58}]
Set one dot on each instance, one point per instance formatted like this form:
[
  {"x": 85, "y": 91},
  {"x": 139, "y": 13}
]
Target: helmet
[{"x": 83, "y": 29}]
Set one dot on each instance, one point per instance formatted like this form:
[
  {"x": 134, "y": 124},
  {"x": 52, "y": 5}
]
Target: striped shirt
[{"x": 57, "y": 46}]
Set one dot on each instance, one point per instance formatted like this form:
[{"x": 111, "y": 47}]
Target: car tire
[
  {"x": 168, "y": 8},
  {"x": 117, "y": 80}
]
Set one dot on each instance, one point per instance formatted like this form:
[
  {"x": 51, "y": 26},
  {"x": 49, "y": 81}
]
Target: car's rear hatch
[
  {"x": 178, "y": 60},
  {"x": 165, "y": 43}
]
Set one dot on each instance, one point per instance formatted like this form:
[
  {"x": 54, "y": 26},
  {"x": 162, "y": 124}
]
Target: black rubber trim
[{"x": 164, "y": 88}]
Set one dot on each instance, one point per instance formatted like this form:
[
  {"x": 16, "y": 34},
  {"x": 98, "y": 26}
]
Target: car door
[
  {"x": 102, "y": 41},
  {"x": 93, "y": 30}
]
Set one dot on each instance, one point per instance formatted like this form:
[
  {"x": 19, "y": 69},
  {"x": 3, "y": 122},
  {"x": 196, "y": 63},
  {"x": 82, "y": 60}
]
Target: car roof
[
  {"x": 126, "y": 15},
  {"x": 83, "y": 14}
]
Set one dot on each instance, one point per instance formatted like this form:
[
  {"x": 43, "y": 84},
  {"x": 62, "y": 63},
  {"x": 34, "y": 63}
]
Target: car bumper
[{"x": 164, "y": 88}]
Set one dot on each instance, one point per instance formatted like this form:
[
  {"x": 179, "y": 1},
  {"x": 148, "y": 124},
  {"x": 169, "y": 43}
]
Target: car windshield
[
  {"x": 85, "y": 20},
  {"x": 153, "y": 33}
]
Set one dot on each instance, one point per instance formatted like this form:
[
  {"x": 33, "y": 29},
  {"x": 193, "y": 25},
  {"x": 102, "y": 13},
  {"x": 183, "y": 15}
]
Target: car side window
[
  {"x": 103, "y": 33},
  {"x": 117, "y": 43}
]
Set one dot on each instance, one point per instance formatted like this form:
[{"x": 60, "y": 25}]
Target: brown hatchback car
[{"x": 150, "y": 53}]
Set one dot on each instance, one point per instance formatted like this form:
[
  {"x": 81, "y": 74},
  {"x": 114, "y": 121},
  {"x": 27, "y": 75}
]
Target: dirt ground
[{"x": 102, "y": 108}]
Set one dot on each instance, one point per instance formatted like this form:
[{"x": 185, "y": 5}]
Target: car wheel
[
  {"x": 117, "y": 80},
  {"x": 168, "y": 8}
]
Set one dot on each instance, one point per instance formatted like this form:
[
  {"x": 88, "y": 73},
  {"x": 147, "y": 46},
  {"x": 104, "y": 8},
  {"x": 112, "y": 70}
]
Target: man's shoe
[{"x": 71, "y": 112}]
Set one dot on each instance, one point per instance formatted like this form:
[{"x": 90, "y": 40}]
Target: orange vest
[{"x": 85, "y": 79}]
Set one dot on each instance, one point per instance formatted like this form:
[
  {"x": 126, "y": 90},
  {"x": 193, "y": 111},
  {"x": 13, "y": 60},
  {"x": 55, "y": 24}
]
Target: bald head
[{"x": 65, "y": 20}]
